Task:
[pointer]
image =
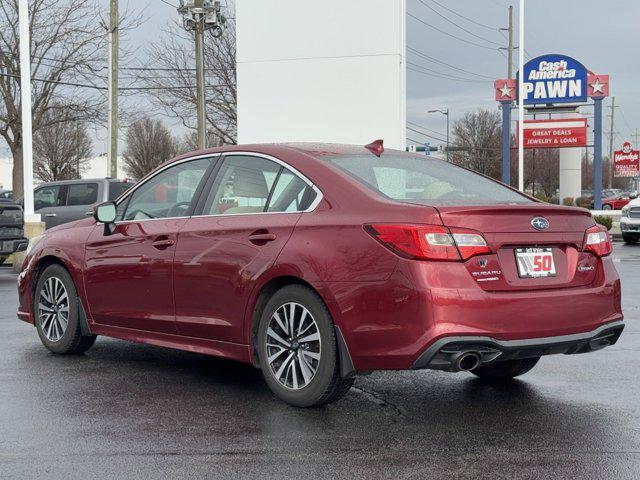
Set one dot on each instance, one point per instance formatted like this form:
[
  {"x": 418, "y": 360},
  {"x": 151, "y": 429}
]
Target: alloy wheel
[
  {"x": 53, "y": 309},
  {"x": 293, "y": 346}
]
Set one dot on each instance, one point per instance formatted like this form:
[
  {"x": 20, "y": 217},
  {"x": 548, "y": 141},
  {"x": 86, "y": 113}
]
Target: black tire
[
  {"x": 326, "y": 385},
  {"x": 505, "y": 370},
  {"x": 72, "y": 340},
  {"x": 630, "y": 239},
  {"x": 606, "y": 207}
]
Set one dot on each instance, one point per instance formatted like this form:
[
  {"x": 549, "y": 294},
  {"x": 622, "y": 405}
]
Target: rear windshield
[
  {"x": 417, "y": 179},
  {"x": 117, "y": 188}
]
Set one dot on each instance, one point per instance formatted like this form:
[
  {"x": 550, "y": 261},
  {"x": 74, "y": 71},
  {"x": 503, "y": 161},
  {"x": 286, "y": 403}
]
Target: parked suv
[
  {"x": 630, "y": 222},
  {"x": 68, "y": 200},
  {"x": 11, "y": 230}
]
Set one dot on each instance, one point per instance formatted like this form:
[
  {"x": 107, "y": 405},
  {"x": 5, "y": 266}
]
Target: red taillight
[
  {"x": 429, "y": 242},
  {"x": 597, "y": 241}
]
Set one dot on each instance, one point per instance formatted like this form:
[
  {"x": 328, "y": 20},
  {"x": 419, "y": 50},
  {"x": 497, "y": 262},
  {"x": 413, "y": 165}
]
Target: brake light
[
  {"x": 429, "y": 242},
  {"x": 597, "y": 241}
]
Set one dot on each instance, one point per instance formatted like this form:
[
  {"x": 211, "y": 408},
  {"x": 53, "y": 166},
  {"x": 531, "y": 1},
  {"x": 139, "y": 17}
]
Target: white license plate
[{"x": 535, "y": 262}]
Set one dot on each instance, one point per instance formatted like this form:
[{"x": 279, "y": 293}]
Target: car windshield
[{"x": 417, "y": 179}]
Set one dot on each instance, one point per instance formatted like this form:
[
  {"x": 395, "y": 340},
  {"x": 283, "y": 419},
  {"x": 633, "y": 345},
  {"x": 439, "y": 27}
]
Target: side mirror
[{"x": 105, "y": 213}]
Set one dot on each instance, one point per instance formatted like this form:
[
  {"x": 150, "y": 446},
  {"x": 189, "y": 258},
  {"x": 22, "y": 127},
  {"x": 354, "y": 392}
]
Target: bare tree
[
  {"x": 149, "y": 144},
  {"x": 479, "y": 133},
  {"x": 66, "y": 49},
  {"x": 172, "y": 78},
  {"x": 62, "y": 150}
]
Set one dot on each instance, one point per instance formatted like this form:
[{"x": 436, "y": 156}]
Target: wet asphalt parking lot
[{"x": 124, "y": 410}]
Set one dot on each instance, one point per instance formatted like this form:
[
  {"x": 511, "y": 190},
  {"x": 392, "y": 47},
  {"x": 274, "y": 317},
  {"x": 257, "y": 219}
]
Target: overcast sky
[{"x": 603, "y": 35}]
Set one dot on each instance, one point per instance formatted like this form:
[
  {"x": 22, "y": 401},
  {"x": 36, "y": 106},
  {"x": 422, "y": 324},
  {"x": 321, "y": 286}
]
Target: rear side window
[
  {"x": 417, "y": 179},
  {"x": 82, "y": 194},
  {"x": 249, "y": 185},
  {"x": 116, "y": 189}
]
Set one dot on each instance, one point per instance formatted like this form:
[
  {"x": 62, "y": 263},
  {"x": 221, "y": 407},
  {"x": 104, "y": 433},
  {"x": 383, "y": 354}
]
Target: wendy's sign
[{"x": 551, "y": 79}]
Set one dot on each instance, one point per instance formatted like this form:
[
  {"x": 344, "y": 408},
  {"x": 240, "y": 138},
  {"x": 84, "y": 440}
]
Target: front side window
[
  {"x": 46, "y": 197},
  {"x": 247, "y": 184},
  {"x": 82, "y": 194},
  {"x": 421, "y": 180},
  {"x": 166, "y": 195}
]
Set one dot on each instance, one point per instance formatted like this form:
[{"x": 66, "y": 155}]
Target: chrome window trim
[
  {"x": 293, "y": 170},
  {"x": 138, "y": 185}
]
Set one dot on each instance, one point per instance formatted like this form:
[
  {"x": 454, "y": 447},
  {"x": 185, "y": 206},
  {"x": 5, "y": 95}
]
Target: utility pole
[
  {"x": 198, "y": 16},
  {"x": 613, "y": 109},
  {"x": 509, "y": 48},
  {"x": 112, "y": 148},
  {"x": 200, "y": 90}
]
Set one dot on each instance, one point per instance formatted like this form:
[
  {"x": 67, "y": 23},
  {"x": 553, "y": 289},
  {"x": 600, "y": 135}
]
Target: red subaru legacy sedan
[{"x": 319, "y": 262}]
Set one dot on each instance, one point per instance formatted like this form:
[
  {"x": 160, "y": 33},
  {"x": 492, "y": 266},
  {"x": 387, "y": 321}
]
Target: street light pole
[
  {"x": 521, "y": 100},
  {"x": 25, "y": 100},
  {"x": 446, "y": 113}
]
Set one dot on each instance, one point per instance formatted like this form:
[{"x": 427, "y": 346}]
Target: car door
[
  {"x": 48, "y": 201},
  {"x": 79, "y": 201},
  {"x": 243, "y": 222},
  {"x": 128, "y": 273}
]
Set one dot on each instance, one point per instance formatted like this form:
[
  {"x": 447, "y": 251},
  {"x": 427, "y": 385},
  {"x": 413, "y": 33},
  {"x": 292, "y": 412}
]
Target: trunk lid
[{"x": 509, "y": 227}]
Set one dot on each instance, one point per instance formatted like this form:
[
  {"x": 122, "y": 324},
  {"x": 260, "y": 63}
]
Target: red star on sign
[
  {"x": 598, "y": 86},
  {"x": 505, "y": 90}
]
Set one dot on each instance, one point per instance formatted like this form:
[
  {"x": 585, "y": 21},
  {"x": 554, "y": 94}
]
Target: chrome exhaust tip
[{"x": 466, "y": 361}]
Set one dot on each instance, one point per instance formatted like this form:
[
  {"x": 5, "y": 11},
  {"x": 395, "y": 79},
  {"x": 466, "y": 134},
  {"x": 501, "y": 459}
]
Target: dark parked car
[
  {"x": 6, "y": 195},
  {"x": 317, "y": 262},
  {"x": 11, "y": 230},
  {"x": 68, "y": 200}
]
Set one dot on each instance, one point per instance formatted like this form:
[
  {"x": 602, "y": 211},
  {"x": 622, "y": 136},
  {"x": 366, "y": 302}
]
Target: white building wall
[{"x": 330, "y": 71}]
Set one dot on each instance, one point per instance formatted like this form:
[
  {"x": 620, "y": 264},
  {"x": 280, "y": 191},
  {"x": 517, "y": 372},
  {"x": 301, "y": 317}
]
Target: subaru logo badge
[
  {"x": 540, "y": 223},
  {"x": 482, "y": 262}
]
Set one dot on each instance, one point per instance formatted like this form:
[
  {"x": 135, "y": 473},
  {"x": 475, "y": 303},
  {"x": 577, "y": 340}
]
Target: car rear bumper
[
  {"x": 7, "y": 247},
  {"x": 444, "y": 353},
  {"x": 390, "y": 325}
]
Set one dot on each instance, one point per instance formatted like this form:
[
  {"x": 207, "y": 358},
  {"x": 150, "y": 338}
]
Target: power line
[
  {"x": 445, "y": 64},
  {"x": 417, "y": 125},
  {"x": 466, "y": 18},
  {"x": 456, "y": 25},
  {"x": 414, "y": 67},
  {"x": 425, "y": 134},
  {"x": 450, "y": 34},
  {"x": 97, "y": 87}
]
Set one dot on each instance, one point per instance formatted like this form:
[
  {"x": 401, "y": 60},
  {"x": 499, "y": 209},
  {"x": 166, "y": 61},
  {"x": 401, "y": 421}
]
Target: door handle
[
  {"x": 50, "y": 215},
  {"x": 163, "y": 243},
  {"x": 261, "y": 238}
]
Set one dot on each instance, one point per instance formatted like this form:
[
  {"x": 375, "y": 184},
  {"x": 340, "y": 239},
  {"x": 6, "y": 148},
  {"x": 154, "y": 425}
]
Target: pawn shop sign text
[
  {"x": 558, "y": 133},
  {"x": 554, "y": 79}
]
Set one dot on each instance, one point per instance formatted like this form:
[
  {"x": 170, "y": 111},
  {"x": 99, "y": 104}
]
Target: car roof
[
  {"x": 310, "y": 148},
  {"x": 80, "y": 180}
]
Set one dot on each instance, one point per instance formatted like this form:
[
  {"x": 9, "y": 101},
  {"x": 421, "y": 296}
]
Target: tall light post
[
  {"x": 25, "y": 95},
  {"x": 521, "y": 99},
  {"x": 198, "y": 16},
  {"x": 445, "y": 113}
]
